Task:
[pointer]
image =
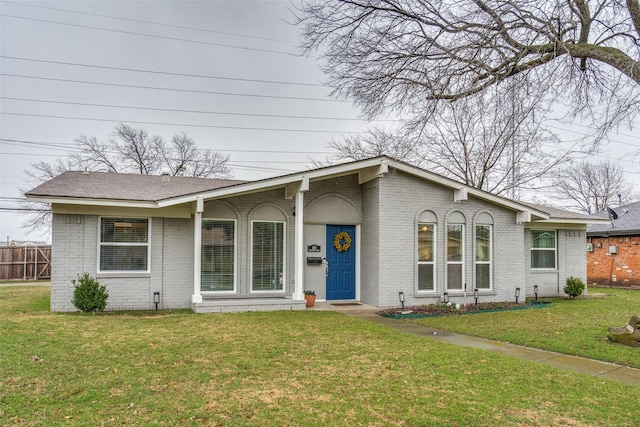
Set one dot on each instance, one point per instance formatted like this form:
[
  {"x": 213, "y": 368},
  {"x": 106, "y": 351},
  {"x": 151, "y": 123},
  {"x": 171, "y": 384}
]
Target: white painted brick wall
[
  {"x": 406, "y": 197},
  {"x": 571, "y": 261}
]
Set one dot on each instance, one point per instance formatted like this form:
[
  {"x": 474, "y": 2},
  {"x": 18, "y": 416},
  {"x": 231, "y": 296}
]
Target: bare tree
[
  {"x": 409, "y": 56},
  {"x": 484, "y": 140},
  {"x": 592, "y": 187},
  {"x": 129, "y": 150},
  {"x": 376, "y": 142},
  {"x": 182, "y": 157}
]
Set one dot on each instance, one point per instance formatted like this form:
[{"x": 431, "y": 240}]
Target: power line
[
  {"x": 170, "y": 89},
  {"x": 222, "y": 113},
  {"x": 168, "y": 73},
  {"x": 178, "y": 124},
  {"x": 139, "y": 21},
  {"x": 224, "y": 150},
  {"x": 133, "y": 33}
]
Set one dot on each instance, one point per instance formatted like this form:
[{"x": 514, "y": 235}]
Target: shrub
[
  {"x": 574, "y": 287},
  {"x": 88, "y": 294}
]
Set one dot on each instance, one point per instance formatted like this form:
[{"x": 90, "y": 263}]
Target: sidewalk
[{"x": 595, "y": 368}]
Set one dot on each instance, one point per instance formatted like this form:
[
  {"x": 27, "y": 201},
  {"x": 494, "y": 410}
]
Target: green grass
[
  {"x": 570, "y": 326},
  {"x": 272, "y": 369}
]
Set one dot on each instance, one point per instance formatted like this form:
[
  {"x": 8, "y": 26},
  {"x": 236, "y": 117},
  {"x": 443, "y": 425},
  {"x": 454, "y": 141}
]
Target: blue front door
[{"x": 341, "y": 259}]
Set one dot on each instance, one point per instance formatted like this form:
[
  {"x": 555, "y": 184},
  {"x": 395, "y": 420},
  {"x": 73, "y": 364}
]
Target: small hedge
[
  {"x": 574, "y": 287},
  {"x": 88, "y": 294}
]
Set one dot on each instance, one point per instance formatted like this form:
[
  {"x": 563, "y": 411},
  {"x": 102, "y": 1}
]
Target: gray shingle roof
[
  {"x": 555, "y": 213},
  {"x": 128, "y": 187},
  {"x": 626, "y": 224}
]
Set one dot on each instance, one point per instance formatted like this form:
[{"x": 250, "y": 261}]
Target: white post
[
  {"x": 298, "y": 293},
  {"x": 196, "y": 298}
]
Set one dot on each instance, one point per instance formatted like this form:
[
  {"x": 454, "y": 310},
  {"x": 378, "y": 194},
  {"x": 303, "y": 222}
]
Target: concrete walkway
[{"x": 595, "y": 368}]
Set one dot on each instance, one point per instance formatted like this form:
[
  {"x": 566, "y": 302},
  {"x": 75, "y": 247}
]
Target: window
[
  {"x": 543, "y": 249},
  {"x": 483, "y": 256},
  {"x": 124, "y": 244},
  {"x": 455, "y": 256},
  {"x": 218, "y": 256},
  {"x": 267, "y": 259},
  {"x": 426, "y": 257}
]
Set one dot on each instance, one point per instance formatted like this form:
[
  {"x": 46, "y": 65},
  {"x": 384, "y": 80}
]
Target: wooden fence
[{"x": 26, "y": 263}]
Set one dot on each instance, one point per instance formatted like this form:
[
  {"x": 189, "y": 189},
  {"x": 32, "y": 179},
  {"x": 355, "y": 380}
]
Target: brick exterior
[
  {"x": 621, "y": 269},
  {"x": 387, "y": 212}
]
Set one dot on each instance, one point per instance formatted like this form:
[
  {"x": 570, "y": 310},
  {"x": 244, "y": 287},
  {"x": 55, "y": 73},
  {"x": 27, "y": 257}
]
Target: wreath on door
[{"x": 342, "y": 241}]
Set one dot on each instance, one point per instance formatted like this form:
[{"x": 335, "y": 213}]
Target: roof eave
[
  {"x": 92, "y": 201},
  {"x": 378, "y": 163}
]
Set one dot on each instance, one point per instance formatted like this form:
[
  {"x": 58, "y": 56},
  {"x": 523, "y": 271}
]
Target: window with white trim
[
  {"x": 218, "y": 270},
  {"x": 267, "y": 256},
  {"x": 455, "y": 256},
  {"x": 426, "y": 257},
  {"x": 543, "y": 249},
  {"x": 124, "y": 245},
  {"x": 483, "y": 256}
]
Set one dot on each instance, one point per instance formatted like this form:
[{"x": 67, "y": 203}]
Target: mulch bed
[{"x": 446, "y": 310}]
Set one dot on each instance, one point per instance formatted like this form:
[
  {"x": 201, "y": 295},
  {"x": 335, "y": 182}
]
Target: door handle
[{"x": 326, "y": 266}]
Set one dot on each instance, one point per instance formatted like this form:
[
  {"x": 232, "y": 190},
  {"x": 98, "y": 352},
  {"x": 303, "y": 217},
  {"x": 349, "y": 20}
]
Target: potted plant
[{"x": 310, "y": 296}]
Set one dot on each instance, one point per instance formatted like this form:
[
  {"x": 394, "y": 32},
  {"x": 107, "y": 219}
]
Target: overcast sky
[{"x": 228, "y": 73}]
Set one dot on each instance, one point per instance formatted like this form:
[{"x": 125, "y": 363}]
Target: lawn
[
  {"x": 272, "y": 369},
  {"x": 571, "y": 326}
]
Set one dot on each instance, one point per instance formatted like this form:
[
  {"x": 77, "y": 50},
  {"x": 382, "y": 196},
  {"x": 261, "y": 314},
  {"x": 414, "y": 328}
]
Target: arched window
[
  {"x": 455, "y": 251},
  {"x": 484, "y": 251},
  {"x": 426, "y": 252}
]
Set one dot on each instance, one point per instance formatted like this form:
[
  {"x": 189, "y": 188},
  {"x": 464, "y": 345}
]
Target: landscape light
[
  {"x": 517, "y": 294},
  {"x": 156, "y": 299},
  {"x": 535, "y": 291},
  {"x": 446, "y": 297},
  {"x": 401, "y": 296},
  {"x": 476, "y": 294}
]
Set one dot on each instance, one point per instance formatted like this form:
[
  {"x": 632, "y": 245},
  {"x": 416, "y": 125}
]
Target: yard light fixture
[
  {"x": 401, "y": 296},
  {"x": 446, "y": 298},
  {"x": 156, "y": 299},
  {"x": 476, "y": 294},
  {"x": 517, "y": 294},
  {"x": 535, "y": 291}
]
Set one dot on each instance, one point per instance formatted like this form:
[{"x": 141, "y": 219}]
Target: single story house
[
  {"x": 363, "y": 231},
  {"x": 613, "y": 248}
]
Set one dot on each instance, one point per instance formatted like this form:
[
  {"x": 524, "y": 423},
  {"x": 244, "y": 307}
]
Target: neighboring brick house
[
  {"x": 613, "y": 249},
  {"x": 361, "y": 231}
]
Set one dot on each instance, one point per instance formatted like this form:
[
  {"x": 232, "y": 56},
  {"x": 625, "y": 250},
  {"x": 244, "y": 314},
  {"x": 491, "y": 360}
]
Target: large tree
[
  {"x": 408, "y": 56},
  {"x": 127, "y": 150},
  {"x": 592, "y": 187},
  {"x": 486, "y": 141}
]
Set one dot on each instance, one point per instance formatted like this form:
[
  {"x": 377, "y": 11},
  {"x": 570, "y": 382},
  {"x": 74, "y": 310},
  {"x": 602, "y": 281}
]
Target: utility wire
[
  {"x": 168, "y": 73},
  {"x": 225, "y": 150},
  {"x": 170, "y": 89},
  {"x": 139, "y": 21},
  {"x": 172, "y": 110},
  {"x": 178, "y": 124},
  {"x": 133, "y": 33}
]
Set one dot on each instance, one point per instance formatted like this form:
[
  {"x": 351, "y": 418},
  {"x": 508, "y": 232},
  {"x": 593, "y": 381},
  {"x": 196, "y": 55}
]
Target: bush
[
  {"x": 574, "y": 287},
  {"x": 88, "y": 294}
]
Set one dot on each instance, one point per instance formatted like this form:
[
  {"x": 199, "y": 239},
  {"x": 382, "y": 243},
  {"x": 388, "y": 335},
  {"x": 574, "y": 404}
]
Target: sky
[{"x": 228, "y": 73}]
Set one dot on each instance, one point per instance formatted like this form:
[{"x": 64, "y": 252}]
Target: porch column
[
  {"x": 197, "y": 250},
  {"x": 298, "y": 293}
]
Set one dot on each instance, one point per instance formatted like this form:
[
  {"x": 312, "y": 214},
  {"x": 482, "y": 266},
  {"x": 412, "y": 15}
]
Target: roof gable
[{"x": 161, "y": 191}]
